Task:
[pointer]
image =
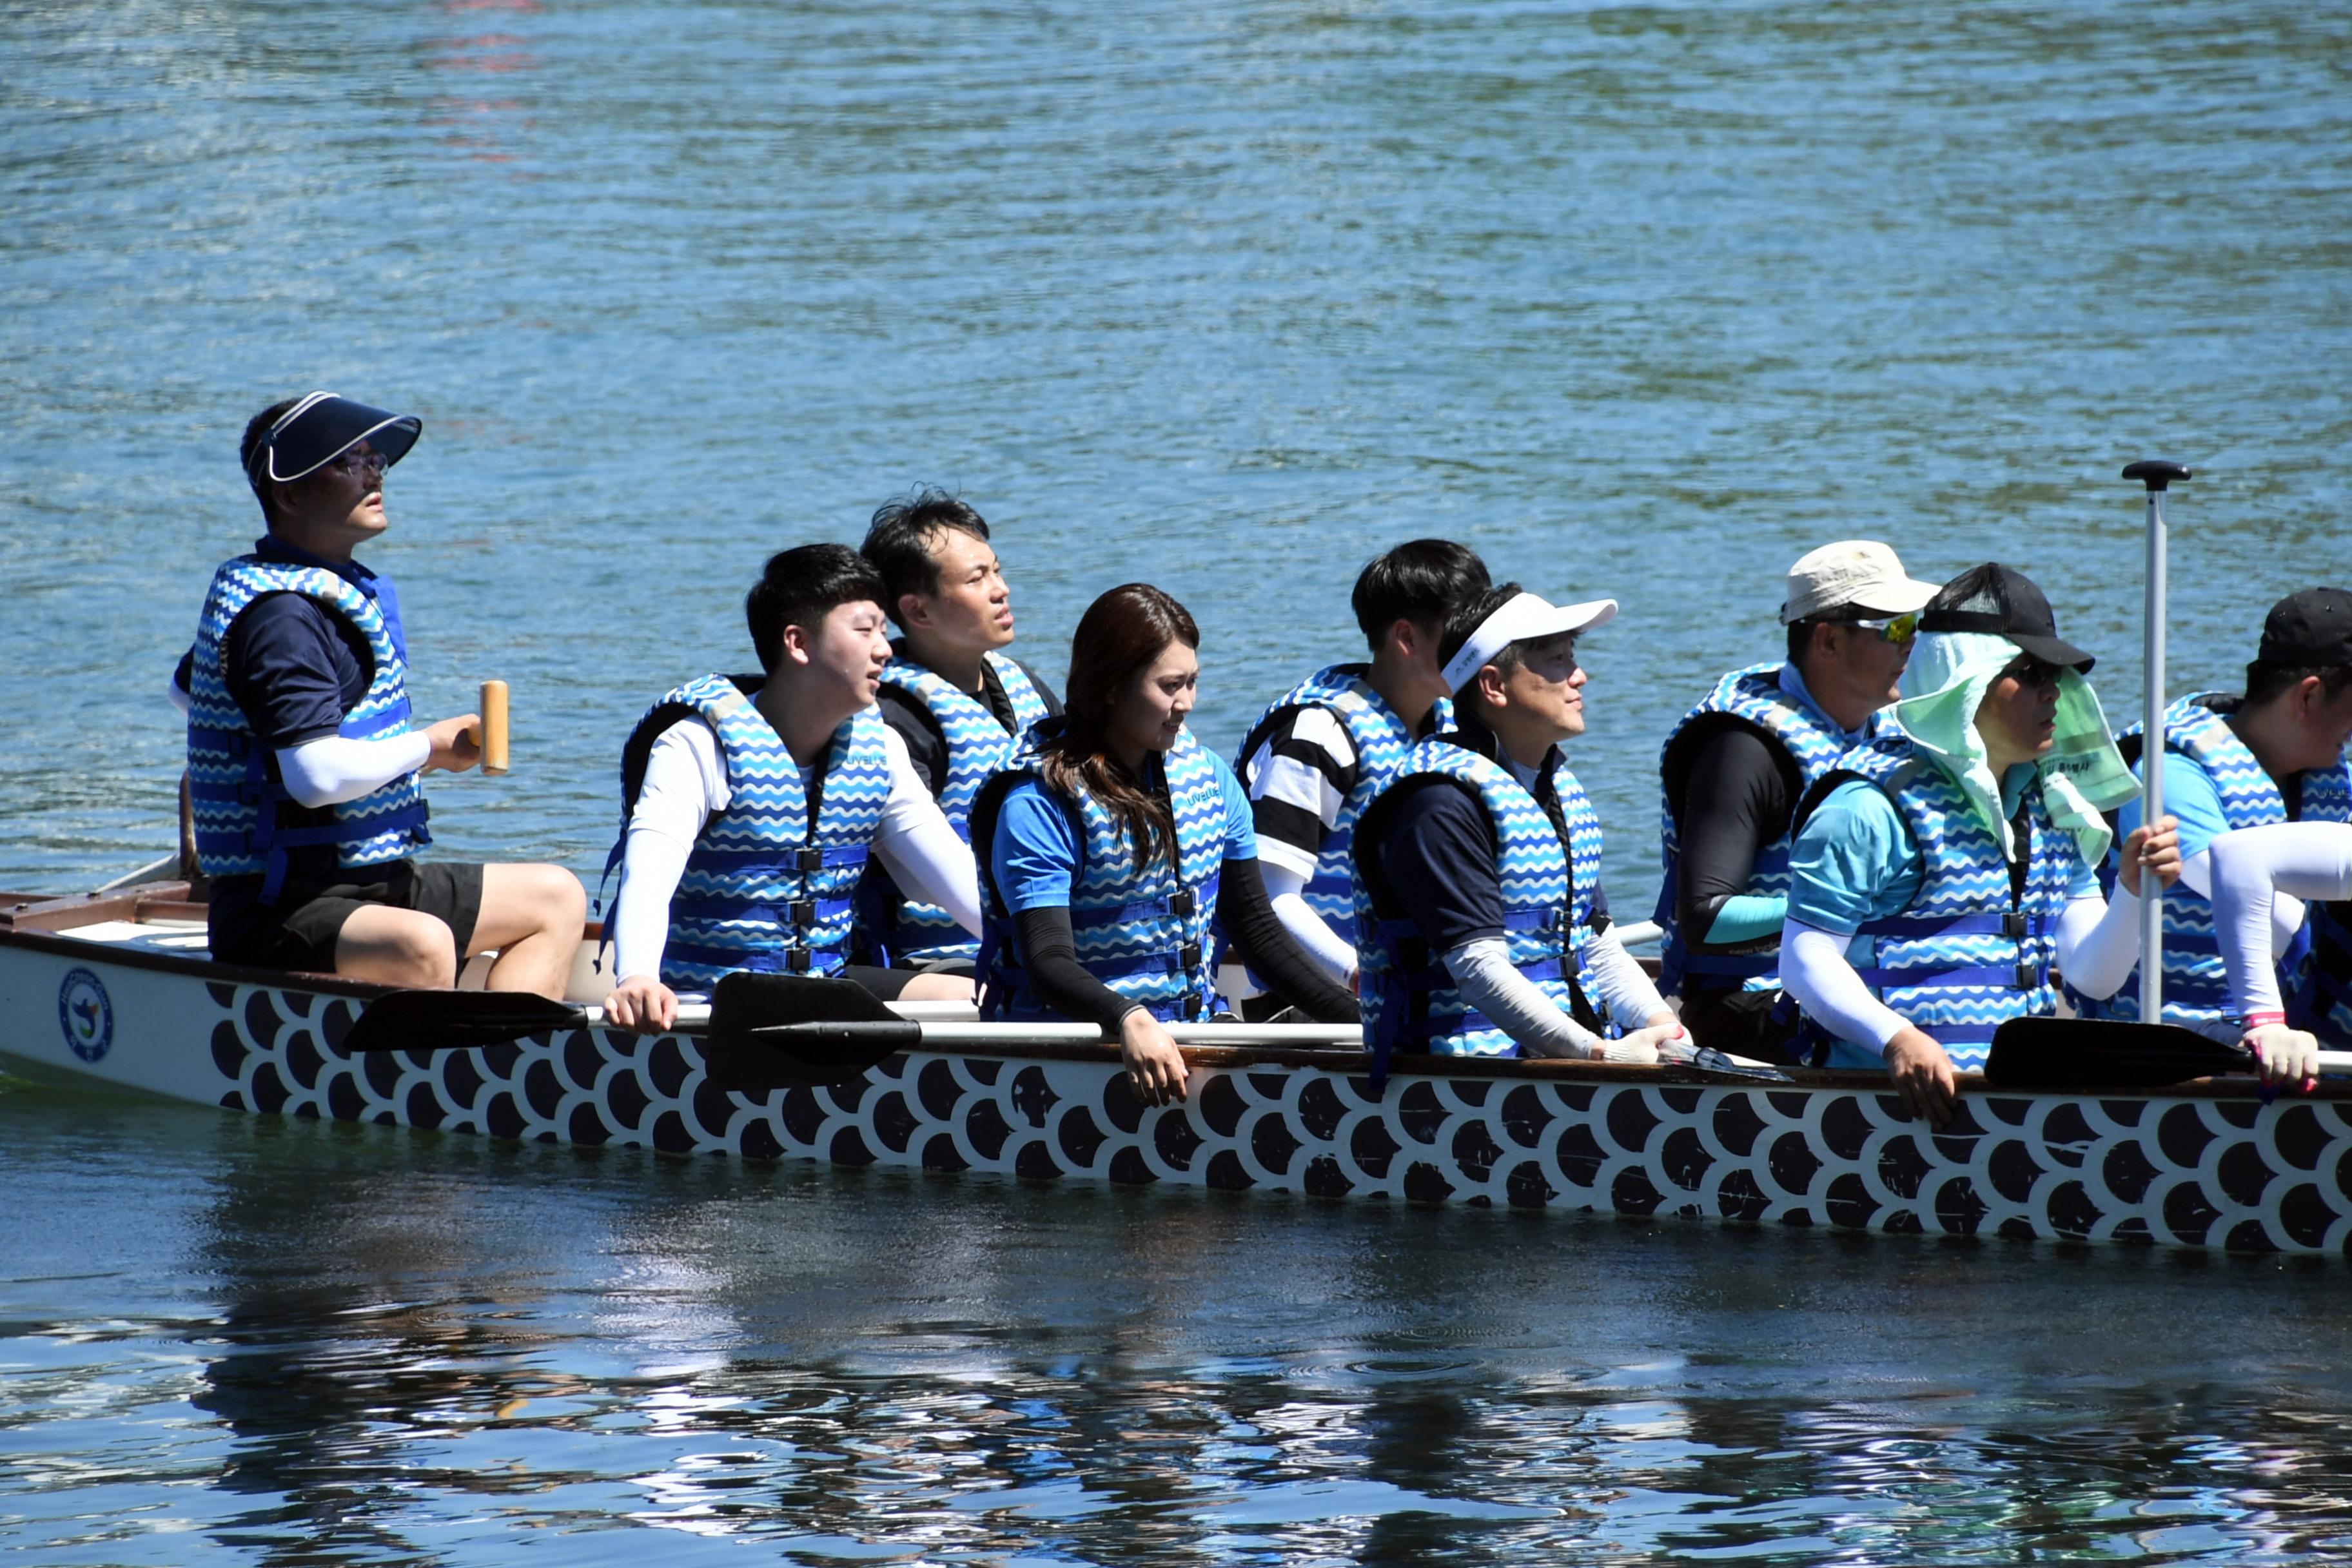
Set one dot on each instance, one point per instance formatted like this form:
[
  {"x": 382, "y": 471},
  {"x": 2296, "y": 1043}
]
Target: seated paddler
[
  {"x": 305, "y": 772},
  {"x": 2273, "y": 755},
  {"x": 2264, "y": 880},
  {"x": 1733, "y": 770},
  {"x": 1322, "y": 750},
  {"x": 1943, "y": 871},
  {"x": 1481, "y": 921},
  {"x": 1112, "y": 841},
  {"x": 951, "y": 691},
  {"x": 751, "y": 805}
]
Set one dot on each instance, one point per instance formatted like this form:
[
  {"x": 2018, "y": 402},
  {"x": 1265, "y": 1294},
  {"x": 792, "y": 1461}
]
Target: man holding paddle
[
  {"x": 303, "y": 771},
  {"x": 1944, "y": 869},
  {"x": 2276, "y": 755},
  {"x": 751, "y": 805}
]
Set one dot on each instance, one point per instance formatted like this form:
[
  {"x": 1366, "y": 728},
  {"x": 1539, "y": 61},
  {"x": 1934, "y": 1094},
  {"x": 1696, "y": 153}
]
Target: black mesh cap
[
  {"x": 322, "y": 427},
  {"x": 2005, "y": 601},
  {"x": 2310, "y": 630}
]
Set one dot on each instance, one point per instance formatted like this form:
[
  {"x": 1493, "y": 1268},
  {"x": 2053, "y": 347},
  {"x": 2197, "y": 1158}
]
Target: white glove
[
  {"x": 1647, "y": 1047},
  {"x": 2286, "y": 1056}
]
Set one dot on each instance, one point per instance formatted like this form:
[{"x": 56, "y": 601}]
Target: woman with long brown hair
[{"x": 1112, "y": 842}]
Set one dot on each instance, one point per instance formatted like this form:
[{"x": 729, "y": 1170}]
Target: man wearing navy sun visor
[{"x": 303, "y": 768}]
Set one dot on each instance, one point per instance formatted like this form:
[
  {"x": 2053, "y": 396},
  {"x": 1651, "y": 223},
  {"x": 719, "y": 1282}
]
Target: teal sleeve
[
  {"x": 1854, "y": 861},
  {"x": 2191, "y": 796},
  {"x": 1035, "y": 851},
  {"x": 1749, "y": 917},
  {"x": 1241, "y": 830}
]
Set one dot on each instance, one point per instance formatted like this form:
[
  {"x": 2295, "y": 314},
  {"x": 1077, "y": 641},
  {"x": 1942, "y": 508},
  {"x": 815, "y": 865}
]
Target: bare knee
[
  {"x": 938, "y": 988},
  {"x": 397, "y": 947}
]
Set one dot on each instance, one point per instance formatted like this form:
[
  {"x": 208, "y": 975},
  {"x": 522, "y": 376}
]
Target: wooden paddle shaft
[{"x": 490, "y": 735}]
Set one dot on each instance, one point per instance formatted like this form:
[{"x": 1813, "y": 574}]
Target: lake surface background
[{"x": 1641, "y": 301}]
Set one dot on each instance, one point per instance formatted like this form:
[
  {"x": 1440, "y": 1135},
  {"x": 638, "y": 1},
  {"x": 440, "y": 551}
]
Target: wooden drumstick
[{"x": 490, "y": 735}]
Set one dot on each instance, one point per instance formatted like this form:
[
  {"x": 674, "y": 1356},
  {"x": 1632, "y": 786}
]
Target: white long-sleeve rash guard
[
  {"x": 2255, "y": 869},
  {"x": 1483, "y": 972},
  {"x": 1310, "y": 931},
  {"x": 686, "y": 785},
  {"x": 2098, "y": 942}
]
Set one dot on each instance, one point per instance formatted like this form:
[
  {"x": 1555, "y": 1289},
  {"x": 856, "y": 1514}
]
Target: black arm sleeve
[
  {"x": 1737, "y": 801},
  {"x": 1049, "y": 956},
  {"x": 1269, "y": 951}
]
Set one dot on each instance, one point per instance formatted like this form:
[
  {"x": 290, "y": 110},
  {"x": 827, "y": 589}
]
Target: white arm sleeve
[
  {"x": 335, "y": 768},
  {"x": 2287, "y": 912},
  {"x": 1627, "y": 995},
  {"x": 1814, "y": 970},
  {"x": 2098, "y": 942},
  {"x": 1483, "y": 972},
  {"x": 686, "y": 781},
  {"x": 1286, "y": 888},
  {"x": 2251, "y": 868},
  {"x": 916, "y": 842},
  {"x": 176, "y": 691}
]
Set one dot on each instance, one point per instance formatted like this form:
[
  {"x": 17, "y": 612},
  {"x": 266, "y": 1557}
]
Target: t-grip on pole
[{"x": 2156, "y": 476}]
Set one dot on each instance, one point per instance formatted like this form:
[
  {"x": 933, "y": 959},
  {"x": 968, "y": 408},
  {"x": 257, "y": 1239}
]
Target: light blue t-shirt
[
  {"x": 1856, "y": 859},
  {"x": 2190, "y": 796},
  {"x": 1037, "y": 849}
]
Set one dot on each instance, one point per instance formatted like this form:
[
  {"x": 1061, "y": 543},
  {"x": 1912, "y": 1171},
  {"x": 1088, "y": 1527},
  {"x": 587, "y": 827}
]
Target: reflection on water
[{"x": 367, "y": 1345}]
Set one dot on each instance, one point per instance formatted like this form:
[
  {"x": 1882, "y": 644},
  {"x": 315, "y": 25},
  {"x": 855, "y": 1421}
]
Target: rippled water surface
[{"x": 1644, "y": 300}]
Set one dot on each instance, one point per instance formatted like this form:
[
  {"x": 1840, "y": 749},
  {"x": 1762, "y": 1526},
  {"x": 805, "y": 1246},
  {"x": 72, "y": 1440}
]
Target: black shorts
[
  {"x": 1751, "y": 1024},
  {"x": 299, "y": 931}
]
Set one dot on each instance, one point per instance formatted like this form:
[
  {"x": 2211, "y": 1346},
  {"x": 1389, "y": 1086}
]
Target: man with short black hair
[
  {"x": 951, "y": 692},
  {"x": 2274, "y": 755},
  {"x": 1321, "y": 750},
  {"x": 303, "y": 771},
  {"x": 1480, "y": 917},
  {"x": 1733, "y": 769},
  {"x": 751, "y": 805}
]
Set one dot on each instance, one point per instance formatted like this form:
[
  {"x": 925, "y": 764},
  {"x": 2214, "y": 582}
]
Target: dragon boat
[{"x": 115, "y": 990}]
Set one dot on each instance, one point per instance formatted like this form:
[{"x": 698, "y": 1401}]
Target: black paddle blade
[
  {"x": 741, "y": 1054},
  {"x": 2099, "y": 1053},
  {"x": 457, "y": 1020},
  {"x": 1712, "y": 1064}
]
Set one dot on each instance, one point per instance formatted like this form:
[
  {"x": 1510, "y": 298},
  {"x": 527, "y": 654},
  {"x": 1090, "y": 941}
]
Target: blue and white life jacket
[
  {"x": 913, "y": 933},
  {"x": 771, "y": 883},
  {"x": 1753, "y": 697},
  {"x": 2324, "y": 1004},
  {"x": 1968, "y": 954},
  {"x": 2196, "y": 982},
  {"x": 1410, "y": 1000},
  {"x": 244, "y": 821},
  {"x": 1381, "y": 739},
  {"x": 1142, "y": 931}
]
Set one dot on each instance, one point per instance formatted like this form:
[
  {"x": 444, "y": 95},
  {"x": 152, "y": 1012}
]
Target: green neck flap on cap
[{"x": 2082, "y": 775}]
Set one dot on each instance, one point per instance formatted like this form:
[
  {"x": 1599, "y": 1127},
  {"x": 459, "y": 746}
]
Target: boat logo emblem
[{"x": 86, "y": 1014}]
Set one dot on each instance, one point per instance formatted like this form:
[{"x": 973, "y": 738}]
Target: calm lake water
[{"x": 1640, "y": 300}]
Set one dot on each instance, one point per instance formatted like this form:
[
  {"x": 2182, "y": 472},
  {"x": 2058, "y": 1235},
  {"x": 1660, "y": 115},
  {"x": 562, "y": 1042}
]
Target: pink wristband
[{"x": 2253, "y": 1021}]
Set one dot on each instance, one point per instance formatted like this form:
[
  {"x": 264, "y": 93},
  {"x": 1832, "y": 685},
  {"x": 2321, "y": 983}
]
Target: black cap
[
  {"x": 321, "y": 428},
  {"x": 2003, "y": 601},
  {"x": 2310, "y": 630}
]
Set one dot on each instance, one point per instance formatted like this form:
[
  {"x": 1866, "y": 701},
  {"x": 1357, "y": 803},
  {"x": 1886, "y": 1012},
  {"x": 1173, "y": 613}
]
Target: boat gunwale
[{"x": 1343, "y": 1062}]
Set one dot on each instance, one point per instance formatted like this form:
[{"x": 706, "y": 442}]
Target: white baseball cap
[
  {"x": 1858, "y": 572},
  {"x": 1525, "y": 618}
]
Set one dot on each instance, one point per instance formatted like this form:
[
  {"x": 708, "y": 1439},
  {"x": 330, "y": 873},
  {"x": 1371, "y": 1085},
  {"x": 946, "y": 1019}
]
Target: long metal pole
[{"x": 2151, "y": 890}]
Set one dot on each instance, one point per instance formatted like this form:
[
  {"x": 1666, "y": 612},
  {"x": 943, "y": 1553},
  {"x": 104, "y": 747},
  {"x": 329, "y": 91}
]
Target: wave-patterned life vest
[
  {"x": 1968, "y": 953},
  {"x": 2196, "y": 982},
  {"x": 771, "y": 883},
  {"x": 1142, "y": 931},
  {"x": 1752, "y": 696},
  {"x": 244, "y": 821},
  {"x": 1410, "y": 1000},
  {"x": 1381, "y": 739},
  {"x": 914, "y": 932},
  {"x": 2325, "y": 1004}
]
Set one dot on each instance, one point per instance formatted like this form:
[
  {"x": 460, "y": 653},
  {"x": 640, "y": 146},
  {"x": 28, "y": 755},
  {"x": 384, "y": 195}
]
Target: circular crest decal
[{"x": 86, "y": 1015}]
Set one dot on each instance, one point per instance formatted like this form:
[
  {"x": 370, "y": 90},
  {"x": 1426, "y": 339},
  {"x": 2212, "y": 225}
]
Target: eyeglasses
[
  {"x": 2028, "y": 670},
  {"x": 355, "y": 461},
  {"x": 1900, "y": 630}
]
